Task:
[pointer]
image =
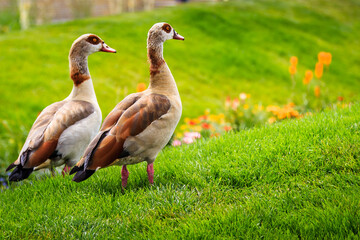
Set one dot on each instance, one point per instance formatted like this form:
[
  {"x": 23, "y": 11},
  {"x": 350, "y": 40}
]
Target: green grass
[
  {"x": 298, "y": 179},
  {"x": 233, "y": 47}
]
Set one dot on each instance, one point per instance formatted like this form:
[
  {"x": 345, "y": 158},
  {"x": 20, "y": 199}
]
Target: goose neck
[
  {"x": 84, "y": 91},
  {"x": 155, "y": 56},
  {"x": 79, "y": 71}
]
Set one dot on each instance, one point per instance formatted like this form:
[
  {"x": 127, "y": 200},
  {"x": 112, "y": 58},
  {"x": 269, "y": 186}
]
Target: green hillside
[
  {"x": 295, "y": 180},
  {"x": 231, "y": 47}
]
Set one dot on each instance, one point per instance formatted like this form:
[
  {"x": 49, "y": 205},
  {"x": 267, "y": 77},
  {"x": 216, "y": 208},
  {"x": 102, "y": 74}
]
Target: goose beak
[
  {"x": 106, "y": 48},
  {"x": 178, "y": 36}
]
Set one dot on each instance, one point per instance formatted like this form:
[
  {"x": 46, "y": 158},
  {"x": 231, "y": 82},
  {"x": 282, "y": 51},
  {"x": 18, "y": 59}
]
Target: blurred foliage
[{"x": 9, "y": 18}]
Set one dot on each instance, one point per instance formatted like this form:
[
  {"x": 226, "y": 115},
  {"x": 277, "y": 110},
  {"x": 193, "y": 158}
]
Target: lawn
[
  {"x": 231, "y": 47},
  {"x": 298, "y": 179},
  {"x": 294, "y": 179}
]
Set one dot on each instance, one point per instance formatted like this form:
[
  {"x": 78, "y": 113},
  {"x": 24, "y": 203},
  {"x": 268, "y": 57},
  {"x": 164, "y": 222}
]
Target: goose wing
[
  {"x": 109, "y": 143},
  {"x": 46, "y": 130}
]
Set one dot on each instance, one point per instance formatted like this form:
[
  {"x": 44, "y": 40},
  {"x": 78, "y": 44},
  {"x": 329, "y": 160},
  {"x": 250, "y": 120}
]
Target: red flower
[
  {"x": 192, "y": 122},
  {"x": 206, "y": 126}
]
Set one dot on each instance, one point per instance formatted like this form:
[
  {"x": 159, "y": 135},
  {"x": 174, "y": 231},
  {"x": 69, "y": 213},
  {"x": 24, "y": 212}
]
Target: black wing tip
[
  {"x": 83, "y": 175},
  {"x": 124, "y": 153},
  {"x": 20, "y": 174},
  {"x": 76, "y": 169},
  {"x": 11, "y": 166}
]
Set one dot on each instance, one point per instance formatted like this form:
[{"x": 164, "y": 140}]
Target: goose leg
[
  {"x": 150, "y": 171},
  {"x": 65, "y": 170},
  {"x": 52, "y": 170},
  {"x": 124, "y": 176}
]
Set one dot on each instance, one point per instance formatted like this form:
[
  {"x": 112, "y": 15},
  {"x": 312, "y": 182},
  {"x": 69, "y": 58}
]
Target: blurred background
[{"x": 24, "y": 13}]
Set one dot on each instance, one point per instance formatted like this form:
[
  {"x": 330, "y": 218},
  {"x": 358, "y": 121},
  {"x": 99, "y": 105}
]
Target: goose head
[
  {"x": 88, "y": 44},
  {"x": 160, "y": 32}
]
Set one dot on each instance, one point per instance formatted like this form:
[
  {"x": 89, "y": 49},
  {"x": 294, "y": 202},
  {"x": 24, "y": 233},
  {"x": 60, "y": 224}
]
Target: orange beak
[
  {"x": 178, "y": 36},
  {"x": 106, "y": 48}
]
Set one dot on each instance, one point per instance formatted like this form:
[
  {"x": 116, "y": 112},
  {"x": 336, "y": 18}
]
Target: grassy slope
[
  {"x": 298, "y": 179},
  {"x": 241, "y": 46}
]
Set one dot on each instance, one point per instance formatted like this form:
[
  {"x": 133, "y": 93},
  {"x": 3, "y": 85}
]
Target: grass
[
  {"x": 233, "y": 47},
  {"x": 295, "y": 180}
]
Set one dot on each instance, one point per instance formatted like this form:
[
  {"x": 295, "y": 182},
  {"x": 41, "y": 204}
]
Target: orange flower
[
  {"x": 340, "y": 98},
  {"x": 227, "y": 128},
  {"x": 321, "y": 57},
  {"x": 141, "y": 87},
  {"x": 317, "y": 91},
  {"x": 272, "y": 120},
  {"x": 294, "y": 113},
  {"x": 282, "y": 114},
  {"x": 319, "y": 67},
  {"x": 305, "y": 81},
  {"x": 293, "y": 61},
  {"x": 290, "y": 105},
  {"x": 308, "y": 77},
  {"x": 292, "y": 69},
  {"x": 324, "y": 58},
  {"x": 327, "y": 59}
]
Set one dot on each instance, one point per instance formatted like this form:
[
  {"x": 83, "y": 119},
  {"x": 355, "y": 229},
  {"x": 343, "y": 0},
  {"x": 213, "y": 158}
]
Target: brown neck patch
[
  {"x": 79, "y": 71},
  {"x": 78, "y": 78},
  {"x": 155, "y": 61}
]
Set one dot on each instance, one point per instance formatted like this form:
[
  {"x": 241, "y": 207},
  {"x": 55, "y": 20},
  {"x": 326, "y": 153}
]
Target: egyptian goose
[
  {"x": 62, "y": 131},
  {"x": 140, "y": 125}
]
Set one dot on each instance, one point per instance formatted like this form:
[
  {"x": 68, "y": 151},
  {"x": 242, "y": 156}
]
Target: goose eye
[
  {"x": 167, "y": 28},
  {"x": 93, "y": 40}
]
